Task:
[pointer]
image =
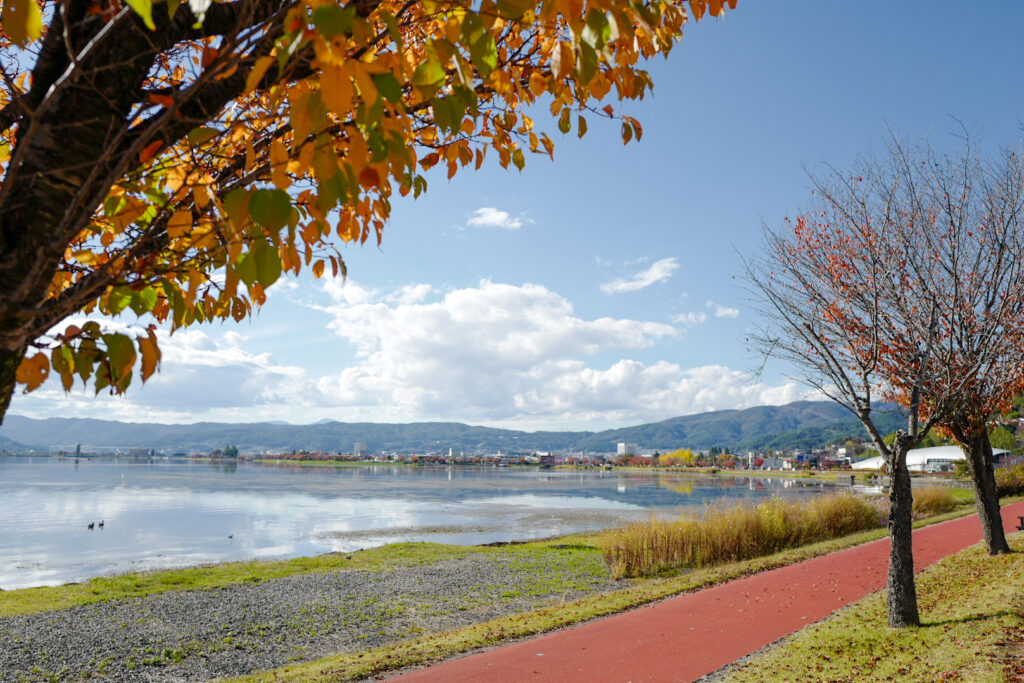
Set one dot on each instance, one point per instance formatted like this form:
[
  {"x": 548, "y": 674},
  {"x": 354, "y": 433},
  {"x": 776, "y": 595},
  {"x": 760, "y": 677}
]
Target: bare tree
[
  {"x": 969, "y": 262},
  {"x": 830, "y": 289},
  {"x": 904, "y": 281}
]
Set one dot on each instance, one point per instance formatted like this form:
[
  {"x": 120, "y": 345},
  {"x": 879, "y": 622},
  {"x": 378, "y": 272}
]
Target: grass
[
  {"x": 728, "y": 534},
  {"x": 1010, "y": 480},
  {"x": 933, "y": 500},
  {"x": 972, "y": 612},
  {"x": 434, "y": 647},
  {"x": 572, "y": 550},
  {"x": 99, "y": 589}
]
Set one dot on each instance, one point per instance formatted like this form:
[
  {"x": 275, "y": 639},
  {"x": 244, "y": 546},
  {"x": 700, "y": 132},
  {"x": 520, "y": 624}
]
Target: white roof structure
[{"x": 919, "y": 458}]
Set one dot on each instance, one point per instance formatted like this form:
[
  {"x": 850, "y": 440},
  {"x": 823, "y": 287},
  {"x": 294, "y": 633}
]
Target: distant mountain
[
  {"x": 803, "y": 424},
  {"x": 12, "y": 446},
  {"x": 331, "y": 436}
]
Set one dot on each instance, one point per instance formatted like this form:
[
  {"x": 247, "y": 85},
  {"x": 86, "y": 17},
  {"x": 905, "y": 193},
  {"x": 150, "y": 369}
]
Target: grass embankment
[{"x": 972, "y": 613}]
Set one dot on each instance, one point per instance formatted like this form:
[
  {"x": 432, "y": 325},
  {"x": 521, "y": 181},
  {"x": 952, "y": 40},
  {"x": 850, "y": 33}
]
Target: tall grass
[
  {"x": 1010, "y": 480},
  {"x": 933, "y": 500},
  {"x": 728, "y": 534}
]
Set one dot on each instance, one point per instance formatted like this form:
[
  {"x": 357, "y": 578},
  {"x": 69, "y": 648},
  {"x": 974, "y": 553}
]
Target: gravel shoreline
[{"x": 198, "y": 635}]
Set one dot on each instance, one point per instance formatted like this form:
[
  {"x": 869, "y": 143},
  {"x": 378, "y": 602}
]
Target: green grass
[
  {"x": 972, "y": 612},
  {"x": 29, "y": 600}
]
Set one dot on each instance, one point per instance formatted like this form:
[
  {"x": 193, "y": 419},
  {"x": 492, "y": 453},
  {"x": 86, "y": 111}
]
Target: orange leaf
[
  {"x": 150, "y": 150},
  {"x": 209, "y": 55},
  {"x": 150, "y": 354},
  {"x": 163, "y": 100},
  {"x": 369, "y": 178},
  {"x": 33, "y": 371}
]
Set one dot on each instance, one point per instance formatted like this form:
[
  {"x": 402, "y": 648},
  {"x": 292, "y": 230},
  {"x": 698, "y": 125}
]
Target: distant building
[
  {"x": 627, "y": 449},
  {"x": 360, "y": 449}
]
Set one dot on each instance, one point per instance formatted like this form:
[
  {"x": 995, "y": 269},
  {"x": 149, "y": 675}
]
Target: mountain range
[{"x": 804, "y": 424}]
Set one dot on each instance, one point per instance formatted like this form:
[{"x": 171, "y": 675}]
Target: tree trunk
[
  {"x": 983, "y": 478},
  {"x": 9, "y": 362},
  {"x": 902, "y": 592}
]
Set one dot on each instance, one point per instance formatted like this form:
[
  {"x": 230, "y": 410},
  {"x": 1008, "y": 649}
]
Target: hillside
[{"x": 803, "y": 424}]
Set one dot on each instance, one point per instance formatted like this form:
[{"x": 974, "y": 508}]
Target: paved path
[{"x": 684, "y": 638}]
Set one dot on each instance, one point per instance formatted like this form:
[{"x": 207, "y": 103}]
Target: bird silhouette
[
  {"x": 231, "y": 535},
  {"x": 91, "y": 526},
  {"x": 101, "y": 524}
]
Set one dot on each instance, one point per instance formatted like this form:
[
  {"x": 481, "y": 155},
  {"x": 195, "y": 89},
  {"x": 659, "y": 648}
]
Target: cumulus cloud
[
  {"x": 506, "y": 353},
  {"x": 659, "y": 271},
  {"x": 691, "y": 319},
  {"x": 490, "y": 217},
  {"x": 723, "y": 311},
  {"x": 493, "y": 353}
]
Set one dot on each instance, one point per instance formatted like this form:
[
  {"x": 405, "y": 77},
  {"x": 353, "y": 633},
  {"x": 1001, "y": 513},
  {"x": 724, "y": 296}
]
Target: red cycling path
[{"x": 686, "y": 637}]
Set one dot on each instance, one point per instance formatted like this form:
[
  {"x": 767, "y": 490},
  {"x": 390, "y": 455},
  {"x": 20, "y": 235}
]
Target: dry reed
[
  {"x": 729, "y": 534},
  {"x": 933, "y": 500}
]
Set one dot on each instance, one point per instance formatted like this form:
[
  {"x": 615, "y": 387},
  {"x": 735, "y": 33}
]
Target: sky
[{"x": 602, "y": 289}]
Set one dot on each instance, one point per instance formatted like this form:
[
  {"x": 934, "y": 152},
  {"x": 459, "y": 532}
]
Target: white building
[
  {"x": 937, "y": 459},
  {"x": 624, "y": 448}
]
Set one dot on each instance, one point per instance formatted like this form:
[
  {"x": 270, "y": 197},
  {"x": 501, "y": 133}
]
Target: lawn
[{"x": 972, "y": 613}]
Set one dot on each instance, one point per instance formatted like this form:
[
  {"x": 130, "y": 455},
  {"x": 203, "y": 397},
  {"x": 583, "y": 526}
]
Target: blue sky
[{"x": 600, "y": 290}]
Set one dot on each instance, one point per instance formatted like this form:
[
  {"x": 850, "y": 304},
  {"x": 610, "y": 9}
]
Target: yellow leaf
[
  {"x": 366, "y": 86},
  {"x": 33, "y": 371},
  {"x": 85, "y": 256},
  {"x": 537, "y": 83},
  {"x": 336, "y": 89},
  {"x": 279, "y": 164},
  {"x": 259, "y": 70},
  {"x": 562, "y": 60},
  {"x": 318, "y": 268},
  {"x": 22, "y": 20},
  {"x": 179, "y": 224}
]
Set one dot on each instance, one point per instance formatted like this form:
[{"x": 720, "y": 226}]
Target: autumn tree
[
  {"x": 924, "y": 256},
  {"x": 818, "y": 284},
  {"x": 175, "y": 158},
  {"x": 969, "y": 260}
]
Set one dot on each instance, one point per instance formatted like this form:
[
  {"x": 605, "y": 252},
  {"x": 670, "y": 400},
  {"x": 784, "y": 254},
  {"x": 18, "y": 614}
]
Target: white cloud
[
  {"x": 659, "y": 271},
  {"x": 490, "y": 217},
  {"x": 691, "y": 319},
  {"x": 500, "y": 353},
  {"x": 723, "y": 311},
  {"x": 199, "y": 373}
]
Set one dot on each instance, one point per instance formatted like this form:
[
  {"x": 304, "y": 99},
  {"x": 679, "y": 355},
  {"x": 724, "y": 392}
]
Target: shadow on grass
[{"x": 971, "y": 618}]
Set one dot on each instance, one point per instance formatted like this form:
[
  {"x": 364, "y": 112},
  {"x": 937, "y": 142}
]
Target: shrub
[
  {"x": 933, "y": 500},
  {"x": 728, "y": 534},
  {"x": 1010, "y": 480}
]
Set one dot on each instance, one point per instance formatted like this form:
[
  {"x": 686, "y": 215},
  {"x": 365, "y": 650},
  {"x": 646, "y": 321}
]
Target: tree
[
  {"x": 966, "y": 251},
  {"x": 819, "y": 285},
  {"x": 175, "y": 158},
  {"x": 922, "y": 258}
]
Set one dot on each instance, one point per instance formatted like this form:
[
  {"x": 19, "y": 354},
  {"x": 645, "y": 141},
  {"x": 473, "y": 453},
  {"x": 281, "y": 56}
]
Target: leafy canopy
[{"x": 263, "y": 135}]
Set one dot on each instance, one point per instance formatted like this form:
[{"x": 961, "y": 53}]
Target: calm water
[{"x": 172, "y": 514}]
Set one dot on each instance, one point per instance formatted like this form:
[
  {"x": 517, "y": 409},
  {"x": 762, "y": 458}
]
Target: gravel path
[{"x": 200, "y": 635}]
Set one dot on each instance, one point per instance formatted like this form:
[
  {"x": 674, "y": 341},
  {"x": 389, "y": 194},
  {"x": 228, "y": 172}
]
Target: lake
[{"x": 164, "y": 514}]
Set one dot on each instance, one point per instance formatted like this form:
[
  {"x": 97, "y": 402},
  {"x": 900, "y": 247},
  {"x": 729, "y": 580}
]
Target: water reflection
[{"x": 166, "y": 514}]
